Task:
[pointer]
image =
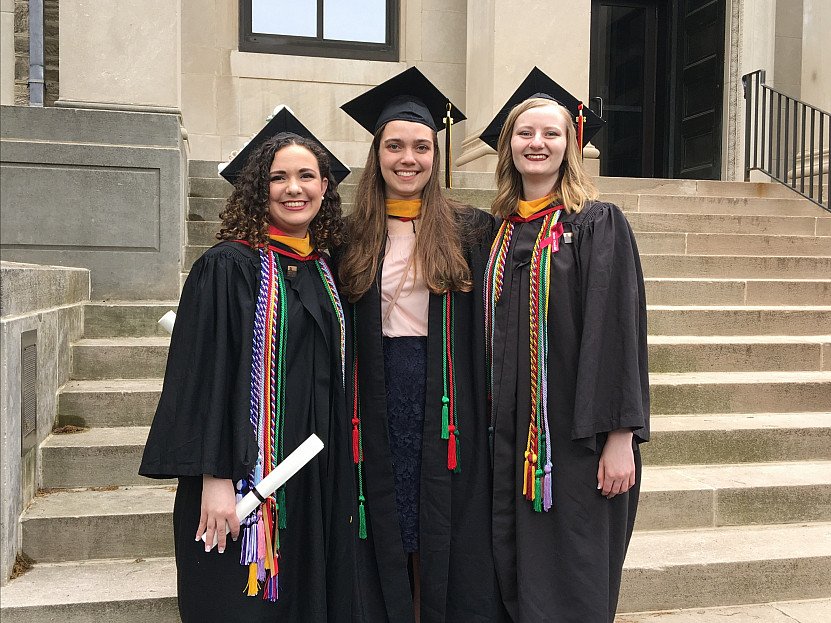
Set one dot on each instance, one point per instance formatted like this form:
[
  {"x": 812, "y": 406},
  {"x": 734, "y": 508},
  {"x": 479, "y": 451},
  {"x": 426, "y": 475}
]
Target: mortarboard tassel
[
  {"x": 580, "y": 120},
  {"x": 448, "y": 124}
]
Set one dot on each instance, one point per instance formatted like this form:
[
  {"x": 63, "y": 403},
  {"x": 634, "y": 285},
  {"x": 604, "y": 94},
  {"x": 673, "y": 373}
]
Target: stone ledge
[{"x": 28, "y": 288}]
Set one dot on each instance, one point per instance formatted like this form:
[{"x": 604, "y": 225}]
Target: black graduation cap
[
  {"x": 282, "y": 121},
  {"x": 409, "y": 96},
  {"x": 537, "y": 84}
]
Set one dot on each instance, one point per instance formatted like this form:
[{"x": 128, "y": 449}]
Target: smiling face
[
  {"x": 538, "y": 144},
  {"x": 405, "y": 155},
  {"x": 295, "y": 190}
]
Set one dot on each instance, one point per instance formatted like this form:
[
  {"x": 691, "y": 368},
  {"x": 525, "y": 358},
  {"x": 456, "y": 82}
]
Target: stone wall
[
  {"x": 50, "y": 301},
  {"x": 50, "y": 51},
  {"x": 106, "y": 190}
]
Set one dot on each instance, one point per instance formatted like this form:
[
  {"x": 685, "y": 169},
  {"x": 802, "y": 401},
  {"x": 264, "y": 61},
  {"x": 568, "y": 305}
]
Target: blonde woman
[{"x": 566, "y": 322}]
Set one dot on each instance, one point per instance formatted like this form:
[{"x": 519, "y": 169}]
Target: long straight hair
[
  {"x": 574, "y": 186},
  {"x": 438, "y": 248}
]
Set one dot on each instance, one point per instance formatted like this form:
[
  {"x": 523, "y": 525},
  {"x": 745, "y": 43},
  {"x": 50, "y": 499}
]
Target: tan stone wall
[
  {"x": 123, "y": 53},
  {"x": 227, "y": 94},
  {"x": 816, "y": 52},
  {"x": 788, "y": 47},
  {"x": 6, "y": 52},
  {"x": 503, "y": 48}
]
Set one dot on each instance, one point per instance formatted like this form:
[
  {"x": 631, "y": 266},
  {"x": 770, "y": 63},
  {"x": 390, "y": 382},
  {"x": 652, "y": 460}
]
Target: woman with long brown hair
[
  {"x": 566, "y": 322},
  {"x": 256, "y": 365},
  {"x": 412, "y": 267}
]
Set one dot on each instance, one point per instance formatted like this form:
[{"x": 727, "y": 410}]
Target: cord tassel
[
  {"x": 253, "y": 586},
  {"x": 361, "y": 519},
  {"x": 445, "y": 418},
  {"x": 451, "y": 448},
  {"x": 538, "y": 491},
  {"x": 281, "y": 508},
  {"x": 546, "y": 485},
  {"x": 356, "y": 441}
]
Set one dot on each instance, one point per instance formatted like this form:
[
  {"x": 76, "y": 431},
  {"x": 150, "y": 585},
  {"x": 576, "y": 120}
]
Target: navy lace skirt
[{"x": 405, "y": 369}]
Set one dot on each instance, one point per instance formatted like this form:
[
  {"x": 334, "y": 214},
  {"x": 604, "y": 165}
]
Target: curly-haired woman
[{"x": 255, "y": 366}]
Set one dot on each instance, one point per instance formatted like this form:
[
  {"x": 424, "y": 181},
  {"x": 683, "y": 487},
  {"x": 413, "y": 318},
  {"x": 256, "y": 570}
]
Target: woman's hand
[
  {"x": 616, "y": 472},
  {"x": 218, "y": 508}
]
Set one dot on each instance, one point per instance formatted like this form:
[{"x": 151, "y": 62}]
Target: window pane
[
  {"x": 355, "y": 20},
  {"x": 284, "y": 17}
]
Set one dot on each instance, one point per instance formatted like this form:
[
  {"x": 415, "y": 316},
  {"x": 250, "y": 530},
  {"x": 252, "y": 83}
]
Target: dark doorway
[{"x": 656, "y": 74}]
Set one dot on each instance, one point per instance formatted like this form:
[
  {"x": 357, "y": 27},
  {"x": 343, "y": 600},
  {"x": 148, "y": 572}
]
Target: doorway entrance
[{"x": 656, "y": 78}]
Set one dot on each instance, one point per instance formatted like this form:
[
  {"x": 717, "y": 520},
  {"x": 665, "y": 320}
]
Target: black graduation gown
[
  {"x": 202, "y": 426},
  {"x": 564, "y": 565},
  {"x": 458, "y": 583}
]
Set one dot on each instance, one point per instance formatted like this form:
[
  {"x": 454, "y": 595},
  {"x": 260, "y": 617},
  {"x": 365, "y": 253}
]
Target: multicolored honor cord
[
  {"x": 261, "y": 531},
  {"x": 537, "y": 466},
  {"x": 449, "y": 424}
]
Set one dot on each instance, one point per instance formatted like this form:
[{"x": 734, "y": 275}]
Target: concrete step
[
  {"x": 90, "y": 524},
  {"x": 116, "y": 591},
  {"x": 98, "y": 457},
  {"x": 739, "y": 392},
  {"x": 729, "y": 224},
  {"x": 109, "y": 402},
  {"x": 738, "y": 438},
  {"x": 800, "y": 611},
  {"x": 125, "y": 318},
  {"x": 735, "y": 267},
  {"x": 726, "y": 566},
  {"x": 693, "y": 291},
  {"x": 204, "y": 209},
  {"x": 732, "y": 244},
  {"x": 202, "y": 233},
  {"x": 738, "y": 320},
  {"x": 119, "y": 358},
  {"x": 706, "y": 353},
  {"x": 709, "y": 188},
  {"x": 709, "y": 496},
  {"x": 702, "y": 204},
  {"x": 203, "y": 168},
  {"x": 211, "y": 187}
]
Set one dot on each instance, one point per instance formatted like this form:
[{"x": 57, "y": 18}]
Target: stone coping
[{"x": 28, "y": 288}]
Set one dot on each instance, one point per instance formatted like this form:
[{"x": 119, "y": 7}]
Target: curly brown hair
[{"x": 245, "y": 216}]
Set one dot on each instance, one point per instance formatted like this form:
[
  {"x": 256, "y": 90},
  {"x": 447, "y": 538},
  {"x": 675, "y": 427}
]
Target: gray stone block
[{"x": 106, "y": 189}]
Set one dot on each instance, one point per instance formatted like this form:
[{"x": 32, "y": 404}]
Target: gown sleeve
[
  {"x": 612, "y": 372},
  {"x": 202, "y": 422}
]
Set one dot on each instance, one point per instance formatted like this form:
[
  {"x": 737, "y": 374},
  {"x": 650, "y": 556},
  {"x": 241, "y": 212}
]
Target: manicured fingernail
[
  {"x": 221, "y": 550},
  {"x": 599, "y": 487}
]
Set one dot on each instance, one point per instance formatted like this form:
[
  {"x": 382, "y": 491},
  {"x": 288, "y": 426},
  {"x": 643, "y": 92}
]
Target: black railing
[{"x": 786, "y": 139}]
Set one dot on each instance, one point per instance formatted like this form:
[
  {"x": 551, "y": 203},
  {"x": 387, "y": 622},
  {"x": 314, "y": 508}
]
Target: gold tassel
[{"x": 253, "y": 586}]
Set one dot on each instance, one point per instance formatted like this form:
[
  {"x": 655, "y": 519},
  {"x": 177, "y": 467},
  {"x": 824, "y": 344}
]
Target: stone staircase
[{"x": 735, "y": 516}]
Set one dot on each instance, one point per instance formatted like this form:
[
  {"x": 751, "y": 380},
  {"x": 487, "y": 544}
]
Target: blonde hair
[
  {"x": 574, "y": 186},
  {"x": 438, "y": 248}
]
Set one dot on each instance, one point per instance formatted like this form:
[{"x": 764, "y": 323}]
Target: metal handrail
[{"x": 786, "y": 139}]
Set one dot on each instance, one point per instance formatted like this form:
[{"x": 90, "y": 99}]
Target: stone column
[
  {"x": 505, "y": 40},
  {"x": 120, "y": 55},
  {"x": 7, "y": 52},
  {"x": 816, "y": 50}
]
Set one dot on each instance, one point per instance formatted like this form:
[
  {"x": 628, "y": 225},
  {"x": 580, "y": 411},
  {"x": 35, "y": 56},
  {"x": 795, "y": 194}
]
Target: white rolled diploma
[
  {"x": 290, "y": 465},
  {"x": 167, "y": 321}
]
